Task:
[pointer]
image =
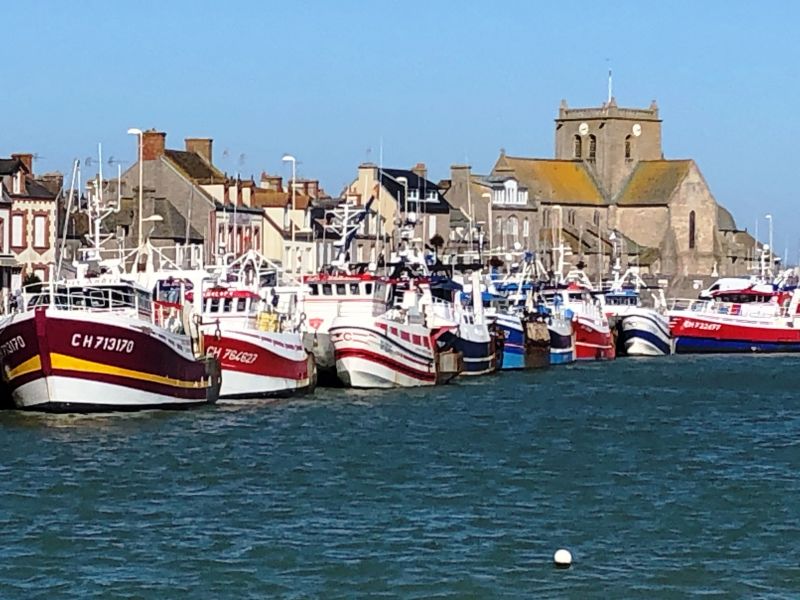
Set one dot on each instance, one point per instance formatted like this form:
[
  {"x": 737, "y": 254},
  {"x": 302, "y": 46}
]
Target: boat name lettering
[
  {"x": 10, "y": 346},
  {"x": 701, "y": 326},
  {"x": 102, "y": 342},
  {"x": 247, "y": 358}
]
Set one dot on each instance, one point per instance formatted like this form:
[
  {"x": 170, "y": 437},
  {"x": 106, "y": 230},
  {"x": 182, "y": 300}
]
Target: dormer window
[
  {"x": 17, "y": 183},
  {"x": 413, "y": 194},
  {"x": 432, "y": 195}
]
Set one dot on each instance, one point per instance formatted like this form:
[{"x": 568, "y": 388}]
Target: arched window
[
  {"x": 498, "y": 229},
  {"x": 592, "y": 147},
  {"x": 513, "y": 229},
  {"x": 627, "y": 146},
  {"x": 578, "y": 144},
  {"x": 691, "y": 230}
]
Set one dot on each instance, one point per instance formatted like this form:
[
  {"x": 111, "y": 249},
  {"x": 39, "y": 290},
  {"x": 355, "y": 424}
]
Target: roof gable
[
  {"x": 653, "y": 182},
  {"x": 421, "y": 185}
]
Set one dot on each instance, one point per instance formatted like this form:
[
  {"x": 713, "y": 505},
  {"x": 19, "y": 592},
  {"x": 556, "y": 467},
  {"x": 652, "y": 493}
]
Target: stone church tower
[{"x": 610, "y": 139}]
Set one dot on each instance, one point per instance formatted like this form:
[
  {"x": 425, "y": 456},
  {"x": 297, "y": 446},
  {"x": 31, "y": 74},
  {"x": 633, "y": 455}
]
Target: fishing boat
[
  {"x": 754, "y": 319},
  {"x": 562, "y": 336},
  {"x": 642, "y": 331},
  {"x": 395, "y": 349},
  {"x": 258, "y": 356},
  {"x": 594, "y": 339},
  {"x": 92, "y": 345}
]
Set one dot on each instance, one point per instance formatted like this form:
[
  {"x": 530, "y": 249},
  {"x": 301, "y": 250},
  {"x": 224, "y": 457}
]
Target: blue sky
[{"x": 434, "y": 82}]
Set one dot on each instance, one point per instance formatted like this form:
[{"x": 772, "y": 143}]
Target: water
[{"x": 666, "y": 478}]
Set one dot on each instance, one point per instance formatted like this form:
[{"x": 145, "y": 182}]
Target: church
[{"x": 608, "y": 192}]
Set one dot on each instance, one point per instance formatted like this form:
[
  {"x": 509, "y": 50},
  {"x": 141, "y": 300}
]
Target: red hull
[
  {"x": 134, "y": 358},
  {"x": 256, "y": 357},
  {"x": 592, "y": 343}
]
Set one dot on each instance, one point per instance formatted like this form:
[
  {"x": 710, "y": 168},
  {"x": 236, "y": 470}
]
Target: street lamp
[
  {"x": 138, "y": 132},
  {"x": 293, "y": 160},
  {"x": 488, "y": 196}
]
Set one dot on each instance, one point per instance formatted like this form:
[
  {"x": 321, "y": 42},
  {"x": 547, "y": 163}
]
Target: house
[
  {"x": 401, "y": 197},
  {"x": 31, "y": 225}
]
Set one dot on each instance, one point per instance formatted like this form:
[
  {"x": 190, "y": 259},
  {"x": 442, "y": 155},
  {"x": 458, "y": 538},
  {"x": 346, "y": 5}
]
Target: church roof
[
  {"x": 552, "y": 181},
  {"x": 653, "y": 182},
  {"x": 725, "y": 221}
]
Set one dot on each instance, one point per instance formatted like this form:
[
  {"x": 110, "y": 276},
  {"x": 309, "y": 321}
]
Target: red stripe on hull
[{"x": 386, "y": 362}]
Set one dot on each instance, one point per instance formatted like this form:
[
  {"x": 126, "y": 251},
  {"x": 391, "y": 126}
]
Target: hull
[
  {"x": 699, "y": 334},
  {"x": 645, "y": 333},
  {"x": 593, "y": 342},
  {"x": 76, "y": 361},
  {"x": 513, "y": 355},
  {"x": 319, "y": 344},
  {"x": 562, "y": 342},
  {"x": 477, "y": 347},
  {"x": 383, "y": 354},
  {"x": 260, "y": 364}
]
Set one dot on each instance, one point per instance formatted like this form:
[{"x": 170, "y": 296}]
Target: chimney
[
  {"x": 25, "y": 159},
  {"x": 153, "y": 143},
  {"x": 201, "y": 146},
  {"x": 420, "y": 170}
]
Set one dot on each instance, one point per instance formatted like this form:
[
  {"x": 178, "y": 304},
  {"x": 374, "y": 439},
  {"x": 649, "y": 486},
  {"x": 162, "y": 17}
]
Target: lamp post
[
  {"x": 293, "y": 160},
  {"x": 488, "y": 197},
  {"x": 768, "y": 216},
  {"x": 138, "y": 132}
]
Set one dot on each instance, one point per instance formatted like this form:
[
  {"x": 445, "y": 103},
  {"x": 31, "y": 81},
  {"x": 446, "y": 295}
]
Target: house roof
[
  {"x": 194, "y": 166},
  {"x": 9, "y": 166},
  {"x": 423, "y": 186},
  {"x": 552, "y": 181},
  {"x": 653, "y": 182},
  {"x": 263, "y": 198}
]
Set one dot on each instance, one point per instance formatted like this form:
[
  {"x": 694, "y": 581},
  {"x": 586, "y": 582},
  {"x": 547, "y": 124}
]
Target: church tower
[{"x": 609, "y": 139}]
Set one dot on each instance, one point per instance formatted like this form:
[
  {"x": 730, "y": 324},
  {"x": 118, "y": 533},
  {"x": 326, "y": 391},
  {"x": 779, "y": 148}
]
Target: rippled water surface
[{"x": 665, "y": 478}]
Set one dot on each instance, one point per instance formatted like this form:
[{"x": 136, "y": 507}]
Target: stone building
[{"x": 609, "y": 176}]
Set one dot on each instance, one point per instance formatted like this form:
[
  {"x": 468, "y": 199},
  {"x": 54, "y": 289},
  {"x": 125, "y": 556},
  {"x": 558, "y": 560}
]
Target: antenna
[{"x": 610, "y": 82}]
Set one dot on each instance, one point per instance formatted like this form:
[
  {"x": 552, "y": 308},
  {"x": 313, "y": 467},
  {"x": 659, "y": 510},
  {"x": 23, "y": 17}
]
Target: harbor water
[{"x": 665, "y": 478}]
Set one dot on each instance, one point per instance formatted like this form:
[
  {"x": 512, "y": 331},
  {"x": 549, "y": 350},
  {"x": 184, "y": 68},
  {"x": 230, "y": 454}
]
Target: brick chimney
[
  {"x": 153, "y": 143},
  {"x": 25, "y": 159},
  {"x": 201, "y": 146},
  {"x": 420, "y": 170}
]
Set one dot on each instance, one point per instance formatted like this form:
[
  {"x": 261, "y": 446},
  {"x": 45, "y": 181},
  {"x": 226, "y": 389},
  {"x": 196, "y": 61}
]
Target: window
[
  {"x": 226, "y": 305},
  {"x": 314, "y": 289},
  {"x": 17, "y": 231},
  {"x": 578, "y": 146},
  {"x": 16, "y": 186},
  {"x": 326, "y": 289},
  {"x": 354, "y": 289},
  {"x": 431, "y": 224},
  {"x": 241, "y": 304},
  {"x": 627, "y": 146},
  {"x": 413, "y": 194},
  {"x": 40, "y": 231},
  {"x": 592, "y": 147},
  {"x": 368, "y": 288},
  {"x": 513, "y": 228},
  {"x": 341, "y": 289},
  {"x": 691, "y": 231}
]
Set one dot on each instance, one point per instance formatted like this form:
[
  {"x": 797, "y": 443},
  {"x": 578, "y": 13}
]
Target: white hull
[
  {"x": 363, "y": 373},
  {"x": 82, "y": 395},
  {"x": 646, "y": 333},
  {"x": 382, "y": 353},
  {"x": 236, "y": 384}
]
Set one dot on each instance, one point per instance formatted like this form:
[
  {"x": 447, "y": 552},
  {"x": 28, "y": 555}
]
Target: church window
[
  {"x": 592, "y": 147},
  {"x": 691, "y": 230},
  {"x": 578, "y": 144},
  {"x": 627, "y": 146}
]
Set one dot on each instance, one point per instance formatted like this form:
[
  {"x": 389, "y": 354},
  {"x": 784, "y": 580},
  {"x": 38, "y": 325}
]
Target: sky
[{"x": 339, "y": 83}]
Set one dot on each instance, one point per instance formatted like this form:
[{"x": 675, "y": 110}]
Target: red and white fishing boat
[
  {"x": 593, "y": 337},
  {"x": 327, "y": 297},
  {"x": 259, "y": 356},
  {"x": 92, "y": 345},
  {"x": 756, "y": 318},
  {"x": 395, "y": 349}
]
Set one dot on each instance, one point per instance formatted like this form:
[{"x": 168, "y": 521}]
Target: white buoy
[{"x": 562, "y": 558}]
